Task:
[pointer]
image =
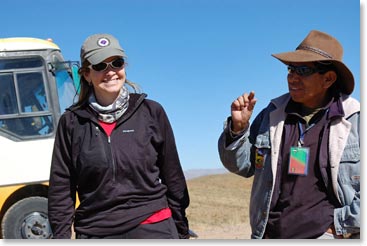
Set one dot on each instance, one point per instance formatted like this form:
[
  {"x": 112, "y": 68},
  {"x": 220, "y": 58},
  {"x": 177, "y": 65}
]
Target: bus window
[
  {"x": 33, "y": 101},
  {"x": 32, "y": 92},
  {"x": 19, "y": 63},
  {"x": 8, "y": 100},
  {"x": 28, "y": 126}
]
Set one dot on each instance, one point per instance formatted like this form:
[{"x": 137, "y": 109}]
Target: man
[{"x": 303, "y": 149}]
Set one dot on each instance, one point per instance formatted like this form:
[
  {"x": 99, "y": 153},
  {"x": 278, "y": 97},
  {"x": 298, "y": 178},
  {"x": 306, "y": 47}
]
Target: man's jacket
[{"x": 266, "y": 134}]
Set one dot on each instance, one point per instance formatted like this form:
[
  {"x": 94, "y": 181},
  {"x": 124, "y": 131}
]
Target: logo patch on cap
[{"x": 103, "y": 42}]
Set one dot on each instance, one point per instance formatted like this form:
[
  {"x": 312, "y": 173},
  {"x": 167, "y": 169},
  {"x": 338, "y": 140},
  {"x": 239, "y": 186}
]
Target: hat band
[{"x": 315, "y": 50}]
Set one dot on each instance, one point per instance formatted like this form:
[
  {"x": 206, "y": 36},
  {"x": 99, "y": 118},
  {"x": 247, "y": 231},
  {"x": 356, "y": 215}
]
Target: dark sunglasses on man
[{"x": 303, "y": 70}]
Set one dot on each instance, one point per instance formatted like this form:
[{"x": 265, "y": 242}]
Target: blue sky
[{"x": 194, "y": 56}]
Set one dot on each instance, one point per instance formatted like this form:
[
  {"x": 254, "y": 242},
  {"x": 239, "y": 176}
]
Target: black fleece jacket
[{"x": 120, "y": 180}]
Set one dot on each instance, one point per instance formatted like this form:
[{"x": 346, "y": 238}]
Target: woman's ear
[{"x": 86, "y": 75}]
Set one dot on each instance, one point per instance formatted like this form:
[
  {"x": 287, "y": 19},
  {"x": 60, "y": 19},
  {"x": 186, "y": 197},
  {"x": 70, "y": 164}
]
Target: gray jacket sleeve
[
  {"x": 234, "y": 151},
  {"x": 347, "y": 218}
]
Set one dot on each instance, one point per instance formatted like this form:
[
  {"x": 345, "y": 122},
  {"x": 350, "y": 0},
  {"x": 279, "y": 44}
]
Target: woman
[{"x": 116, "y": 149}]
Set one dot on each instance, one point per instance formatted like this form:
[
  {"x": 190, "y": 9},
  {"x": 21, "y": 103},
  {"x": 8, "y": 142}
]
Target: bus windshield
[{"x": 66, "y": 89}]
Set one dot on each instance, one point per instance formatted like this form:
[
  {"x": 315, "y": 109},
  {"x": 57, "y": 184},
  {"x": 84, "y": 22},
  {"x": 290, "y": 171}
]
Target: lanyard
[{"x": 302, "y": 133}]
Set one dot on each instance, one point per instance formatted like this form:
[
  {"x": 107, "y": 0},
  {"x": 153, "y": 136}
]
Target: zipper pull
[{"x": 109, "y": 139}]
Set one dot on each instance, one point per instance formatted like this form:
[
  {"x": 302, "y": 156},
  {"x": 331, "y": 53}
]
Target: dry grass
[{"x": 219, "y": 206}]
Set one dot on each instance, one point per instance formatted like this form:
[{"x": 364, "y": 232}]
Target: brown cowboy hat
[{"x": 319, "y": 46}]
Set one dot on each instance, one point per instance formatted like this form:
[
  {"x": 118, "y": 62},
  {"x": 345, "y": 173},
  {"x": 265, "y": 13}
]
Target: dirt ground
[
  {"x": 228, "y": 232},
  {"x": 219, "y": 207}
]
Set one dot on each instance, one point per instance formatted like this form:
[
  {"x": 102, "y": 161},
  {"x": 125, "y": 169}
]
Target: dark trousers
[{"x": 165, "y": 229}]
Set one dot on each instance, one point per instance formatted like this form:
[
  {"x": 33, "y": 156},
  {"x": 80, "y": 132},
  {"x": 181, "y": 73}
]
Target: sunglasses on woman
[
  {"x": 118, "y": 63},
  {"x": 303, "y": 70}
]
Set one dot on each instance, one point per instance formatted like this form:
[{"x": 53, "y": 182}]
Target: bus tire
[{"x": 27, "y": 219}]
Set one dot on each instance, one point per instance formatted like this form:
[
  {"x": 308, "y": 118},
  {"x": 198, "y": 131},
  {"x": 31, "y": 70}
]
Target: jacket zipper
[
  {"x": 111, "y": 154},
  {"x": 112, "y": 159}
]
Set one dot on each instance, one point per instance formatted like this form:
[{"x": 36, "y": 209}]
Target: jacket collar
[
  {"x": 349, "y": 104},
  {"x": 134, "y": 102}
]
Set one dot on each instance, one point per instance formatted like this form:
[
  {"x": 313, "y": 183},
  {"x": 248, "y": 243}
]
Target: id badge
[{"x": 298, "y": 161}]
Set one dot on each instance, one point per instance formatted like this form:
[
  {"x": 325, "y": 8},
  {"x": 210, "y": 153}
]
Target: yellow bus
[{"x": 36, "y": 86}]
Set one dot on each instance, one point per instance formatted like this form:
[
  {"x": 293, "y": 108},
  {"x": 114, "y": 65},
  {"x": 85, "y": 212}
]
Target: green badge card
[{"x": 298, "y": 161}]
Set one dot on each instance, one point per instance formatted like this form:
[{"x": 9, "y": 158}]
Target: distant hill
[
  {"x": 195, "y": 173},
  {"x": 219, "y": 205}
]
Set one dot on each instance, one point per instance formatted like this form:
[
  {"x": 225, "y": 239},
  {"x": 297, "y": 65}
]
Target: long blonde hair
[{"x": 86, "y": 89}]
